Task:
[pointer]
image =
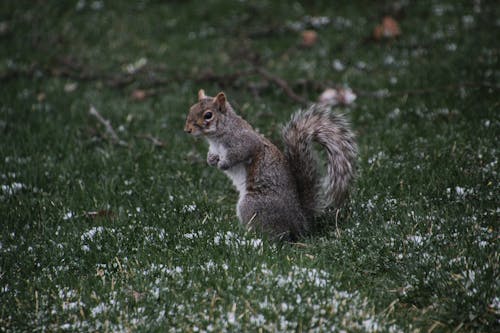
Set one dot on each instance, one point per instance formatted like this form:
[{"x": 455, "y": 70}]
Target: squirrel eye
[{"x": 208, "y": 115}]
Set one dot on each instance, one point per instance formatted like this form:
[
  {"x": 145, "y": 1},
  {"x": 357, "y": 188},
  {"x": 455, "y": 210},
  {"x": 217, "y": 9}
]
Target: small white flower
[
  {"x": 189, "y": 208},
  {"x": 231, "y": 318},
  {"x": 460, "y": 190},
  {"x": 80, "y": 5},
  {"x": 13, "y": 188},
  {"x": 338, "y": 65},
  {"x": 451, "y": 47},
  {"x": 68, "y": 215},
  {"x": 416, "y": 239},
  {"x": 97, "y": 5},
  {"x": 495, "y": 303},
  {"x": 284, "y": 307},
  {"x": 389, "y": 60},
  {"x": 136, "y": 66},
  {"x": 99, "y": 309},
  {"x": 342, "y": 96}
]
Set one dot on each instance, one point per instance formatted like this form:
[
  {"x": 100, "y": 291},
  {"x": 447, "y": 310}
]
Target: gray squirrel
[{"x": 280, "y": 193}]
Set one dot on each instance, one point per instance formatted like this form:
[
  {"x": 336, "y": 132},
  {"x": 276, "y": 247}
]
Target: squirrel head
[{"x": 205, "y": 116}]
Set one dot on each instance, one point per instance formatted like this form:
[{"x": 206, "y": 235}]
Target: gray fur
[
  {"x": 333, "y": 133},
  {"x": 279, "y": 193}
]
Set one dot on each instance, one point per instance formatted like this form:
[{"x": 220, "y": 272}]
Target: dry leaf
[
  {"x": 139, "y": 95},
  {"x": 137, "y": 295},
  {"x": 389, "y": 28},
  {"x": 309, "y": 38},
  {"x": 41, "y": 97}
]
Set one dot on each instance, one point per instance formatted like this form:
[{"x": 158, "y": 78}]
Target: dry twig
[
  {"x": 282, "y": 84},
  {"x": 155, "y": 76},
  {"x": 115, "y": 139},
  {"x": 155, "y": 141}
]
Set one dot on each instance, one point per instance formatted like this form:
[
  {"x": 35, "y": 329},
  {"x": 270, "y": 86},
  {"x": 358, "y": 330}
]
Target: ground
[{"x": 112, "y": 221}]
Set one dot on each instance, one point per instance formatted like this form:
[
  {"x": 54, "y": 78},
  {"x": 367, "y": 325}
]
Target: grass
[{"x": 100, "y": 237}]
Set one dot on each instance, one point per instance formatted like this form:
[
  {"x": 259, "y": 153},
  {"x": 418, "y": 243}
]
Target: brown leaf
[
  {"x": 137, "y": 295},
  {"x": 309, "y": 38},
  {"x": 388, "y": 28},
  {"x": 139, "y": 95},
  {"x": 41, "y": 97}
]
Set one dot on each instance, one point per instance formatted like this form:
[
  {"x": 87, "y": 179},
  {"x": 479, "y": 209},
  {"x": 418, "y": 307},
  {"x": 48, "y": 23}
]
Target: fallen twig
[
  {"x": 107, "y": 125},
  {"x": 152, "y": 80},
  {"x": 282, "y": 84},
  {"x": 155, "y": 141},
  {"x": 222, "y": 79},
  {"x": 100, "y": 214},
  {"x": 386, "y": 93}
]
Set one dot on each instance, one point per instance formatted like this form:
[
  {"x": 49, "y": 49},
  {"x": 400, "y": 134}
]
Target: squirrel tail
[{"x": 331, "y": 131}]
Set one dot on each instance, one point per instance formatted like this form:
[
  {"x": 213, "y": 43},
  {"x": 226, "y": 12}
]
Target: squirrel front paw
[
  {"x": 223, "y": 165},
  {"x": 212, "y": 159}
]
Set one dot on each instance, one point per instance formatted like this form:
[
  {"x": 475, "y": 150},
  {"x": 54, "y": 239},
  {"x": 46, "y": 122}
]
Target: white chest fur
[{"x": 237, "y": 173}]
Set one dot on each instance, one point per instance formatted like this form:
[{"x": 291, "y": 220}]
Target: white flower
[
  {"x": 68, "y": 215},
  {"x": 342, "y": 96},
  {"x": 13, "y": 188},
  {"x": 189, "y": 208},
  {"x": 338, "y": 65},
  {"x": 99, "y": 309}
]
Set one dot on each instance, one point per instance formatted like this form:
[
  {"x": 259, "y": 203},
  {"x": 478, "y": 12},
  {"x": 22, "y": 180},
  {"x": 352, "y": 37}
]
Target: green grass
[{"x": 415, "y": 250}]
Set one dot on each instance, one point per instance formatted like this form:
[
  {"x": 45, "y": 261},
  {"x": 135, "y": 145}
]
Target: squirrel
[{"x": 280, "y": 193}]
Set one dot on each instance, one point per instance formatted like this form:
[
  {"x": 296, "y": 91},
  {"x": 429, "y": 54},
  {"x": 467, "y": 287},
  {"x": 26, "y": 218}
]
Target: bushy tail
[{"x": 333, "y": 133}]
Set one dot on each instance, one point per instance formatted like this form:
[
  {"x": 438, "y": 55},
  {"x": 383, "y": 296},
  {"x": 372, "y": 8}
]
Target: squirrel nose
[{"x": 187, "y": 130}]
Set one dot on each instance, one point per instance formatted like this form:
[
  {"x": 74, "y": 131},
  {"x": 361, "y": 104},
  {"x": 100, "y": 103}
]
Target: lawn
[{"x": 112, "y": 221}]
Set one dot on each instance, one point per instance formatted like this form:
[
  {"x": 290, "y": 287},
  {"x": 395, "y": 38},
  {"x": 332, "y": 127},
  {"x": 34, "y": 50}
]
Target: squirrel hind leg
[{"x": 274, "y": 219}]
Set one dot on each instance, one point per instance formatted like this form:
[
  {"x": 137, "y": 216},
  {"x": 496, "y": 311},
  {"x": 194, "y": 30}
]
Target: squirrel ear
[
  {"x": 201, "y": 94},
  {"x": 220, "y": 101}
]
